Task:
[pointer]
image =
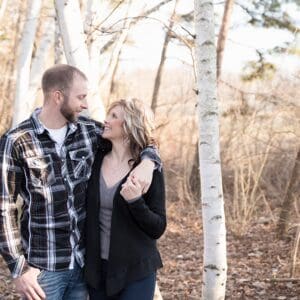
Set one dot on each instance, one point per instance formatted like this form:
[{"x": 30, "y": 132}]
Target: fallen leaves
[{"x": 255, "y": 262}]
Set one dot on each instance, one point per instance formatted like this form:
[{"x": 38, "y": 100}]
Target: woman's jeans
[
  {"x": 138, "y": 290},
  {"x": 63, "y": 285}
]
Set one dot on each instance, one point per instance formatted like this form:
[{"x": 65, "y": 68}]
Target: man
[{"x": 47, "y": 160}]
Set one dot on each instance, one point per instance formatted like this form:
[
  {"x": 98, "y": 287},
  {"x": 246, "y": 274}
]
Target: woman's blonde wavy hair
[{"x": 138, "y": 125}]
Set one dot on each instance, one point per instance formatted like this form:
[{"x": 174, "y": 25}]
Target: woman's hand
[{"x": 131, "y": 189}]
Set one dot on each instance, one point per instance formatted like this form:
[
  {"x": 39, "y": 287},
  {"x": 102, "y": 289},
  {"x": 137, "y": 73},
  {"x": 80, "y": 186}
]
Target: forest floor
[{"x": 258, "y": 263}]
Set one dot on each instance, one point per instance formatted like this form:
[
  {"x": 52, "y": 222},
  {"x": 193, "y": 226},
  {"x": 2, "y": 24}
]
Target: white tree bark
[
  {"x": 24, "y": 61},
  {"x": 214, "y": 231},
  {"x": 94, "y": 15},
  {"x": 76, "y": 52},
  {"x": 58, "y": 47},
  {"x": 38, "y": 63},
  {"x": 3, "y": 8}
]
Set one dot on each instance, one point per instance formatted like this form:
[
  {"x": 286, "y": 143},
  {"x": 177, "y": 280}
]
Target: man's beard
[{"x": 66, "y": 111}]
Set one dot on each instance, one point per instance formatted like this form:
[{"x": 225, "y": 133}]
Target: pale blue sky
[{"x": 242, "y": 42}]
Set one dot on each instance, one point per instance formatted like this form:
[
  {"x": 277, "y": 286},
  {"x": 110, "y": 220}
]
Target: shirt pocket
[
  {"x": 41, "y": 171},
  {"x": 82, "y": 160}
]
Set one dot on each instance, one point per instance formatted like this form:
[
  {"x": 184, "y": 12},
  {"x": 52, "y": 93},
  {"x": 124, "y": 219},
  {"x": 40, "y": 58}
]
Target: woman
[{"x": 122, "y": 222}]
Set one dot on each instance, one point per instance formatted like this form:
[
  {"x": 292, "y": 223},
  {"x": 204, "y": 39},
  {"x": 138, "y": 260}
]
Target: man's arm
[
  {"x": 25, "y": 277},
  {"x": 143, "y": 172},
  {"x": 151, "y": 153},
  {"x": 11, "y": 177}
]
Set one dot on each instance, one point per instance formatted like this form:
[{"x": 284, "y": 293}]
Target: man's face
[{"x": 75, "y": 102}]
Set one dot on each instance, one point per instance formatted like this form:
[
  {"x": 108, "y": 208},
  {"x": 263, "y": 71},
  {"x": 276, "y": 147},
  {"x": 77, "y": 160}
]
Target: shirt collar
[{"x": 40, "y": 128}]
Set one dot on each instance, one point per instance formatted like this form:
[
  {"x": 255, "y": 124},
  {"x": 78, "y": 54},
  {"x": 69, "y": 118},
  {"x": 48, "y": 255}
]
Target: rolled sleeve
[
  {"x": 18, "y": 267},
  {"x": 151, "y": 152}
]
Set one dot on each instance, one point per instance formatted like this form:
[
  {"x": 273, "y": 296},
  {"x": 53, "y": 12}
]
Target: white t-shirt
[{"x": 58, "y": 135}]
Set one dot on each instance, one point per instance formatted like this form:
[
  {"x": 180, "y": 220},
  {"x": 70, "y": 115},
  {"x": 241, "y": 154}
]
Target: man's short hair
[{"x": 60, "y": 77}]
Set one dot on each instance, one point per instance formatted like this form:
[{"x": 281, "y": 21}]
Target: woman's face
[{"x": 113, "y": 128}]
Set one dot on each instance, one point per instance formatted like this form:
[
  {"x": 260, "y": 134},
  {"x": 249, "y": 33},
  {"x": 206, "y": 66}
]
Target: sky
[{"x": 240, "y": 46}]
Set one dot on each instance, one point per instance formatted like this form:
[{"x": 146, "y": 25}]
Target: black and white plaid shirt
[{"x": 52, "y": 187}]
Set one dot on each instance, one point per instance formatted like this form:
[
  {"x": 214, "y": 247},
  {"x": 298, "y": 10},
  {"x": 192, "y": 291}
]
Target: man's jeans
[{"x": 63, "y": 285}]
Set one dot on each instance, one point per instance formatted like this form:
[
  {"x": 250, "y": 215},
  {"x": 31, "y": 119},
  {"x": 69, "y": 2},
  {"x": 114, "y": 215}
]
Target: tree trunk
[
  {"x": 38, "y": 63},
  {"x": 194, "y": 177},
  {"x": 292, "y": 188},
  {"x": 94, "y": 10},
  {"x": 162, "y": 60},
  {"x": 24, "y": 61},
  {"x": 9, "y": 80},
  {"x": 3, "y": 8},
  {"x": 214, "y": 231},
  {"x": 76, "y": 51},
  {"x": 72, "y": 34},
  {"x": 157, "y": 294},
  {"x": 58, "y": 47},
  {"x": 228, "y": 9}
]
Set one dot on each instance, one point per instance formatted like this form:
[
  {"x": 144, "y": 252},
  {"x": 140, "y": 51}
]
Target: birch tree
[
  {"x": 24, "y": 61},
  {"x": 2, "y": 8},
  {"x": 214, "y": 231},
  {"x": 223, "y": 34},
  {"x": 75, "y": 48},
  {"x": 38, "y": 63},
  {"x": 58, "y": 47}
]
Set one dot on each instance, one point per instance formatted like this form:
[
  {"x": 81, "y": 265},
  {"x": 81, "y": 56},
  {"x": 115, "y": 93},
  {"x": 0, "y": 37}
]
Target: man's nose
[{"x": 84, "y": 104}]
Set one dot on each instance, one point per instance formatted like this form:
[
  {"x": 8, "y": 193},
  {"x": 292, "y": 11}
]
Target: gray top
[
  {"x": 105, "y": 213},
  {"x": 106, "y": 206}
]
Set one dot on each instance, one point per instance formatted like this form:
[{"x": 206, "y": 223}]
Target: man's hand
[
  {"x": 143, "y": 174},
  {"x": 131, "y": 189},
  {"x": 27, "y": 285}
]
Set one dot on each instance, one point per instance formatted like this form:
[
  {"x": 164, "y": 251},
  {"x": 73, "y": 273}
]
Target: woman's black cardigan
[{"x": 134, "y": 229}]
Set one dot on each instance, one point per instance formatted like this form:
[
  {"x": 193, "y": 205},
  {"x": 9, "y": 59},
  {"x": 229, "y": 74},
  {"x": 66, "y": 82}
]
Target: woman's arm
[{"x": 149, "y": 211}]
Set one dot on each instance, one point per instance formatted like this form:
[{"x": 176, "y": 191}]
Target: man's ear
[{"x": 57, "y": 96}]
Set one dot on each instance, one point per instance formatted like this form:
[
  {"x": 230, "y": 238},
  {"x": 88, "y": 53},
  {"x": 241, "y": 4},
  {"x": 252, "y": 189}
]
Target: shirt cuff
[
  {"x": 152, "y": 154},
  {"x": 18, "y": 267},
  {"x": 133, "y": 200}
]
